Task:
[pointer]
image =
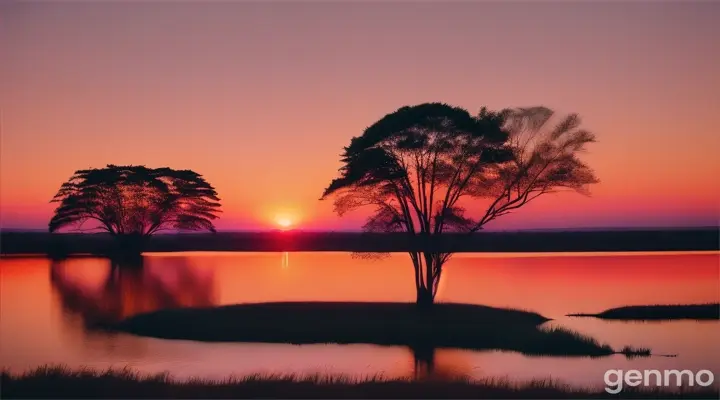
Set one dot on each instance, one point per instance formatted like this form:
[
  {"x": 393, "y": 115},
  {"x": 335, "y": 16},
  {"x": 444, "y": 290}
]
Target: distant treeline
[{"x": 630, "y": 240}]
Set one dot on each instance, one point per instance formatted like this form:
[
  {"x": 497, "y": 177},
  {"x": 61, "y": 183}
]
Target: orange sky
[{"x": 261, "y": 98}]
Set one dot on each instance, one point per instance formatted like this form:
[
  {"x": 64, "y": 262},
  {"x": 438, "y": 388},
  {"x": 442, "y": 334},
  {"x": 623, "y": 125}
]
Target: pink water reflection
[{"x": 46, "y": 308}]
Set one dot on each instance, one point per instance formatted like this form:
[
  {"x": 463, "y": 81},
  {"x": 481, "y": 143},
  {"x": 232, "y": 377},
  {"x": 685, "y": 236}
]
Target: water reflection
[
  {"x": 131, "y": 289},
  {"x": 48, "y": 309},
  {"x": 427, "y": 367},
  {"x": 127, "y": 290},
  {"x": 285, "y": 264}
]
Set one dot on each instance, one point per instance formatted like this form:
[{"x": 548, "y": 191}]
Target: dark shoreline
[
  {"x": 660, "y": 312},
  {"x": 702, "y": 239}
]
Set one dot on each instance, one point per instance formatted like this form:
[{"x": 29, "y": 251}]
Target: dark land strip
[
  {"x": 660, "y": 312},
  {"x": 706, "y": 239},
  {"x": 445, "y": 325}
]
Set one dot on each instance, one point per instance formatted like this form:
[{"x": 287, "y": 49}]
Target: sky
[{"x": 261, "y": 98}]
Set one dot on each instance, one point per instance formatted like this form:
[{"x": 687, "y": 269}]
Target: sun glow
[
  {"x": 284, "y": 222},
  {"x": 285, "y": 217}
]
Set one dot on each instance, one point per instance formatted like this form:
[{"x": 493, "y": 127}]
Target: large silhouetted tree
[
  {"x": 136, "y": 201},
  {"x": 423, "y": 167}
]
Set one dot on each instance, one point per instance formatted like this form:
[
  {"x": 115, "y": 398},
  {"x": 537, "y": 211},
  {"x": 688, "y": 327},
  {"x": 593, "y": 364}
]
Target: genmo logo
[{"x": 617, "y": 379}]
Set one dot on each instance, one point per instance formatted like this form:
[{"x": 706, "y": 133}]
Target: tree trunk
[
  {"x": 428, "y": 271},
  {"x": 425, "y": 298},
  {"x": 128, "y": 249}
]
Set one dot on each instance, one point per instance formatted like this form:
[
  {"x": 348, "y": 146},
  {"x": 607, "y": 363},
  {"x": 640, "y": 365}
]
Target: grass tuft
[{"x": 631, "y": 352}]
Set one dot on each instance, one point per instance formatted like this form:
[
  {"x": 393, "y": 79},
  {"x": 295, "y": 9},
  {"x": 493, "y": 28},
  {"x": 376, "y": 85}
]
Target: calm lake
[{"x": 45, "y": 307}]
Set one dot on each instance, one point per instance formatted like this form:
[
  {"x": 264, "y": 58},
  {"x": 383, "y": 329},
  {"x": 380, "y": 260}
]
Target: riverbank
[
  {"x": 701, "y": 239},
  {"x": 445, "y": 325},
  {"x": 54, "y": 382},
  {"x": 710, "y": 311}
]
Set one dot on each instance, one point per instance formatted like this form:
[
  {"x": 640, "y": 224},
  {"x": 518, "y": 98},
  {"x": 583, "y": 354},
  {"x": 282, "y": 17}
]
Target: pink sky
[{"x": 261, "y": 98}]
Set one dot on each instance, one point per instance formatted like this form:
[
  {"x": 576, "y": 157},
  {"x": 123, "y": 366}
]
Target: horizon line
[{"x": 300, "y": 230}]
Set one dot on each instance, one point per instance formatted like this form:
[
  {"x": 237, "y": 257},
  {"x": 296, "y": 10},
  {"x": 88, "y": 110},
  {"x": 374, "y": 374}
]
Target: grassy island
[
  {"x": 444, "y": 325},
  {"x": 659, "y": 312}
]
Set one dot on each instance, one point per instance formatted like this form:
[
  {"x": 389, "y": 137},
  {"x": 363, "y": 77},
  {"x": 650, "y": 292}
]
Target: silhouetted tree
[
  {"x": 133, "y": 202},
  {"x": 421, "y": 166}
]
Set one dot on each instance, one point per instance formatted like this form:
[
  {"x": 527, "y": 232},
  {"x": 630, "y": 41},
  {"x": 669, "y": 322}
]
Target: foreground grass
[
  {"x": 660, "y": 312},
  {"x": 445, "y": 325},
  {"x": 61, "y": 382}
]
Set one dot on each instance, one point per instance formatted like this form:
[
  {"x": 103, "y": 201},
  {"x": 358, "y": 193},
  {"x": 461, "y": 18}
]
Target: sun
[
  {"x": 285, "y": 219},
  {"x": 284, "y": 222}
]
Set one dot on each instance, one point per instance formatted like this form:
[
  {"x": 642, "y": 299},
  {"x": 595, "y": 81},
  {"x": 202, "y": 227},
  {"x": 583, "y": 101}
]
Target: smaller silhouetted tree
[
  {"x": 133, "y": 202},
  {"x": 423, "y": 168}
]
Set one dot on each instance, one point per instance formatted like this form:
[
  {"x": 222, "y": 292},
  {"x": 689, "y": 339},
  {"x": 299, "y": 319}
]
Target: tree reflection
[
  {"x": 128, "y": 290},
  {"x": 430, "y": 363}
]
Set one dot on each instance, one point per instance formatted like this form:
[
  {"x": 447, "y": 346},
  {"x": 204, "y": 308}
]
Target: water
[{"x": 46, "y": 308}]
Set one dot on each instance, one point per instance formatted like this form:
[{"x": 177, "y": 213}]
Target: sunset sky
[{"x": 260, "y": 98}]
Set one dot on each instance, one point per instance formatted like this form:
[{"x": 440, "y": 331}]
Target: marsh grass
[
  {"x": 63, "y": 382},
  {"x": 632, "y": 352}
]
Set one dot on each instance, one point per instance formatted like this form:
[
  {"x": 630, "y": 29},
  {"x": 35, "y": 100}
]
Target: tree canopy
[
  {"x": 416, "y": 164},
  {"x": 136, "y": 200}
]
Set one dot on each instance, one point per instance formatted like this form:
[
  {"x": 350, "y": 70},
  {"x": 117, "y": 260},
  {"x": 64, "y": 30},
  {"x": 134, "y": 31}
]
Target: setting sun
[{"x": 284, "y": 222}]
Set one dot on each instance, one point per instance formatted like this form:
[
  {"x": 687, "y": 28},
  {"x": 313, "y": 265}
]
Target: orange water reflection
[
  {"x": 121, "y": 292},
  {"x": 47, "y": 307}
]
